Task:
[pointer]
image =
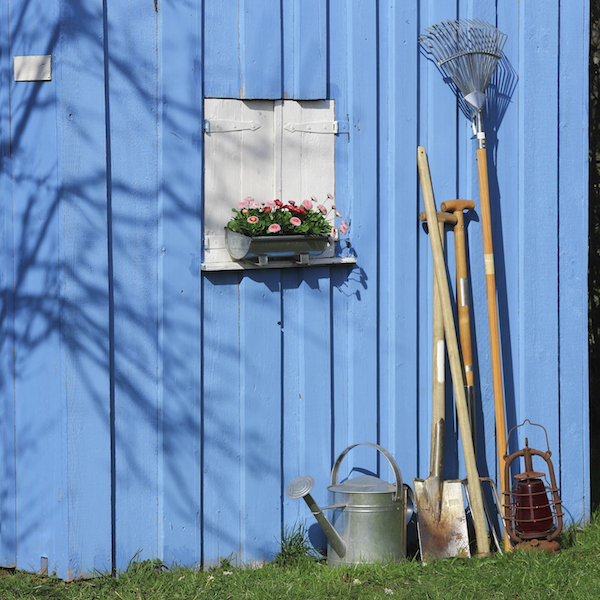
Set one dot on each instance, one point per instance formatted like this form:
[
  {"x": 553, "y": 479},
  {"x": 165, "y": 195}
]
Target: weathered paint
[{"x": 153, "y": 410}]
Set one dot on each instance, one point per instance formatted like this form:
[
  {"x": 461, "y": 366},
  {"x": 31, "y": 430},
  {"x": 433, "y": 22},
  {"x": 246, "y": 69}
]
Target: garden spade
[{"x": 442, "y": 524}]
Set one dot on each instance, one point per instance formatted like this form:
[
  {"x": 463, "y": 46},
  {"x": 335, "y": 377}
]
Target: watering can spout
[{"x": 300, "y": 488}]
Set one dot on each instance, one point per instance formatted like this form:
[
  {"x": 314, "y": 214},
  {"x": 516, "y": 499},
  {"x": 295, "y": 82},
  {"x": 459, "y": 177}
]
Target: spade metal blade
[{"x": 447, "y": 536}]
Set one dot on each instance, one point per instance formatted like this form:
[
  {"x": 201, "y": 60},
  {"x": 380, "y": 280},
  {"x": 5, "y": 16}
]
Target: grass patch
[
  {"x": 296, "y": 550},
  {"x": 297, "y": 574}
]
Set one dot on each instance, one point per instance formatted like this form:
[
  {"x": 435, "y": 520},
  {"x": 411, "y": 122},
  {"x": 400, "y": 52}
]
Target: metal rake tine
[
  {"x": 433, "y": 42},
  {"x": 467, "y": 49}
]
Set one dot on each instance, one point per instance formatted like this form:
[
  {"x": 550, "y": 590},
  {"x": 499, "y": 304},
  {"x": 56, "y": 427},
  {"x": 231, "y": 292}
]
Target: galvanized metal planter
[{"x": 263, "y": 247}]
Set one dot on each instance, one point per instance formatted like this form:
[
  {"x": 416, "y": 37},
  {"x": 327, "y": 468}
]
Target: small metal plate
[{"x": 33, "y": 68}]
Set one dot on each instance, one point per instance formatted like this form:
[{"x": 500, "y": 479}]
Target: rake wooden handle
[
  {"x": 478, "y": 513},
  {"x": 490, "y": 283}
]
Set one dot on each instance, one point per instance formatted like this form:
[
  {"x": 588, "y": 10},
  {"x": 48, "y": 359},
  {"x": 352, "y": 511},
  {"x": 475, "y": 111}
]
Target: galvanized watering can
[{"x": 369, "y": 519}]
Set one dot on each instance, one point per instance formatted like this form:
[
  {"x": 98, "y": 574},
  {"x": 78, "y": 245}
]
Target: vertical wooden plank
[
  {"x": 243, "y": 49},
  {"x": 221, "y": 417},
  {"x": 307, "y": 388},
  {"x": 221, "y": 67},
  {"x": 433, "y": 99},
  {"x": 242, "y": 417},
  {"x": 134, "y": 134},
  {"x": 356, "y": 403},
  {"x": 36, "y": 283},
  {"x": 502, "y": 133},
  {"x": 305, "y": 50},
  {"x": 220, "y": 526},
  {"x": 7, "y": 382},
  {"x": 84, "y": 291},
  {"x": 442, "y": 142},
  {"x": 572, "y": 245},
  {"x": 260, "y": 49},
  {"x": 260, "y": 415},
  {"x": 538, "y": 344},
  {"x": 339, "y": 84},
  {"x": 502, "y": 149},
  {"x": 180, "y": 250},
  {"x": 398, "y": 305}
]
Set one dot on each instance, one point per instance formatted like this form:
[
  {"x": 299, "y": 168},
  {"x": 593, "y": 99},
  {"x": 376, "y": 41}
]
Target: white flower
[
  {"x": 388, "y": 591},
  {"x": 227, "y": 573},
  {"x": 357, "y": 582}
]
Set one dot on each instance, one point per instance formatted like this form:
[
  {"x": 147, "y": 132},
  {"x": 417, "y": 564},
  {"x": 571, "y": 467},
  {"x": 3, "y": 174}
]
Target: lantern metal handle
[{"x": 531, "y": 423}]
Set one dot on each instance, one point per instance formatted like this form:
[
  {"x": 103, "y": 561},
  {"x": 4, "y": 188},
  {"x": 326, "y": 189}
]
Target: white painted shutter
[
  {"x": 268, "y": 150},
  {"x": 238, "y": 162}
]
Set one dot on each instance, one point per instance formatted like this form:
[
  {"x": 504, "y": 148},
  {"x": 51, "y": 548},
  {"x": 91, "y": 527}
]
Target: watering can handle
[{"x": 399, "y": 487}]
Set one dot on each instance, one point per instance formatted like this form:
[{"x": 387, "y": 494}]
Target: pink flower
[
  {"x": 252, "y": 219},
  {"x": 307, "y": 204},
  {"x": 322, "y": 209},
  {"x": 270, "y": 204},
  {"x": 313, "y": 199},
  {"x": 274, "y": 228},
  {"x": 243, "y": 203},
  {"x": 343, "y": 227},
  {"x": 295, "y": 221},
  {"x": 330, "y": 197},
  {"x": 249, "y": 199},
  {"x": 338, "y": 213},
  {"x": 255, "y": 205}
]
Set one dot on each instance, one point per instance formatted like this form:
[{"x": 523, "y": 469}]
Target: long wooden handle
[
  {"x": 438, "y": 386},
  {"x": 478, "y": 512},
  {"x": 490, "y": 280},
  {"x": 438, "y": 403},
  {"x": 462, "y": 297},
  {"x": 464, "y": 317}
]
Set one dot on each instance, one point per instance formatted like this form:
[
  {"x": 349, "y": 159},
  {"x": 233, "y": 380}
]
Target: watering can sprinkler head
[{"x": 300, "y": 488}]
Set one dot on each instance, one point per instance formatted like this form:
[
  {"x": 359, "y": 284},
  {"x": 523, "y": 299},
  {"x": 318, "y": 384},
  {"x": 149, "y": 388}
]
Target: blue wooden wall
[{"x": 151, "y": 409}]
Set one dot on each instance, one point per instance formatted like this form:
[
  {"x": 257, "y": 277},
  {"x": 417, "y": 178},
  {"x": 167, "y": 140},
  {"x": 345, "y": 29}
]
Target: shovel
[{"x": 442, "y": 524}]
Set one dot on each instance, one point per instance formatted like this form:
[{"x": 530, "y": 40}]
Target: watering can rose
[{"x": 274, "y": 217}]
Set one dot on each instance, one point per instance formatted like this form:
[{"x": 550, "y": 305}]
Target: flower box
[{"x": 263, "y": 247}]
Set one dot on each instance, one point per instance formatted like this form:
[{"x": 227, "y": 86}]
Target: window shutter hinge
[
  {"x": 315, "y": 127},
  {"x": 223, "y": 126}
]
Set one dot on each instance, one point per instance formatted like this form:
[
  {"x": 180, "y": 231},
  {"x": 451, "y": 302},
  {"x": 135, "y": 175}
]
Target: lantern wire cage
[{"x": 532, "y": 507}]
